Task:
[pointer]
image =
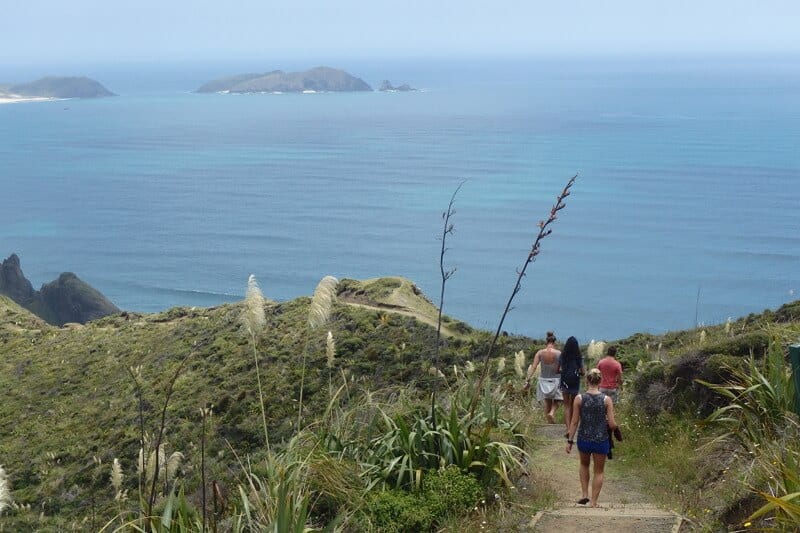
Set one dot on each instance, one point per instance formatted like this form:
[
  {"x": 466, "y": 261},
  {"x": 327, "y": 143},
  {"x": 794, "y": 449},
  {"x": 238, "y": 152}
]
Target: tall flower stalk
[
  {"x": 255, "y": 321},
  {"x": 447, "y": 229},
  {"x": 318, "y": 314},
  {"x": 544, "y": 231},
  {"x": 205, "y": 414}
]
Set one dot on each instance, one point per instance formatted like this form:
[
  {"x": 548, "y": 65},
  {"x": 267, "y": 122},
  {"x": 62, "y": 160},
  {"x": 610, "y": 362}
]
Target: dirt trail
[{"x": 623, "y": 506}]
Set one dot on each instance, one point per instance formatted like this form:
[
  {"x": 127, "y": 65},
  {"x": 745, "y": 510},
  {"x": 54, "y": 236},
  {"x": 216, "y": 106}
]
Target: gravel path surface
[{"x": 623, "y": 506}]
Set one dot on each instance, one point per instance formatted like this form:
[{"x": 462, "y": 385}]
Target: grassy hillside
[
  {"x": 77, "y": 398},
  {"x": 70, "y": 400}
]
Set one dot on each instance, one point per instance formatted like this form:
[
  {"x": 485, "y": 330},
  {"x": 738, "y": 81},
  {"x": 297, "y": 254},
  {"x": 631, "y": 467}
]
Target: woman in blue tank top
[{"x": 592, "y": 417}]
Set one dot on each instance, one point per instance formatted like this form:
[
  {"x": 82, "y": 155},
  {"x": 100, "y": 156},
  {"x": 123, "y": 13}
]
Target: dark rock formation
[
  {"x": 61, "y": 87},
  {"x": 386, "y": 86},
  {"x": 13, "y": 282},
  {"x": 67, "y": 299},
  {"x": 322, "y": 79}
]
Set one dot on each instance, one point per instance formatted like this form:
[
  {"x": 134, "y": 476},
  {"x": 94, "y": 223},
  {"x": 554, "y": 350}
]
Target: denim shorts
[{"x": 587, "y": 446}]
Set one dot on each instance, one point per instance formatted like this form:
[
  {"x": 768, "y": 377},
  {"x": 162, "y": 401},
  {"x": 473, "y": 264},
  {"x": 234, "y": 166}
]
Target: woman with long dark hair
[{"x": 570, "y": 367}]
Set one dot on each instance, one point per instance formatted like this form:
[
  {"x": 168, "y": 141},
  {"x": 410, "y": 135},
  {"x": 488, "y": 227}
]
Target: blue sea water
[{"x": 686, "y": 206}]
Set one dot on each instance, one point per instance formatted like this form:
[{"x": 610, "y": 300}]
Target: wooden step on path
[{"x": 619, "y": 518}]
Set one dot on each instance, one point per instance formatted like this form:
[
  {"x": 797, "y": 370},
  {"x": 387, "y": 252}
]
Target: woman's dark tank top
[{"x": 594, "y": 425}]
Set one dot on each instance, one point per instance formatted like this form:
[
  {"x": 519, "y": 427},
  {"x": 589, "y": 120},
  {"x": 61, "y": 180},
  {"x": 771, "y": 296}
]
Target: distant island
[
  {"x": 53, "y": 87},
  {"x": 319, "y": 79},
  {"x": 387, "y": 87}
]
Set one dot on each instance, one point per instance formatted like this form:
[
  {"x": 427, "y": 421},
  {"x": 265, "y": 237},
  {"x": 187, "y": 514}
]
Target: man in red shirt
[{"x": 611, "y": 371}]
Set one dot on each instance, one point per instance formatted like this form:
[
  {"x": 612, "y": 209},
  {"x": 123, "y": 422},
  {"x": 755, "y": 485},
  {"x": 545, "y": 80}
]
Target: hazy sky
[{"x": 79, "y": 31}]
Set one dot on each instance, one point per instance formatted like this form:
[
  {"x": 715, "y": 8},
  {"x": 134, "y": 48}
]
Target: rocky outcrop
[
  {"x": 61, "y": 87},
  {"x": 67, "y": 299},
  {"x": 320, "y": 79},
  {"x": 13, "y": 282},
  {"x": 386, "y": 86}
]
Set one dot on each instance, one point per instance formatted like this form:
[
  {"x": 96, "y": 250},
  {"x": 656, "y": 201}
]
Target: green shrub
[
  {"x": 788, "y": 312},
  {"x": 398, "y": 511},
  {"x": 647, "y": 387},
  {"x": 754, "y": 343},
  {"x": 631, "y": 357},
  {"x": 445, "y": 492},
  {"x": 759, "y": 403},
  {"x": 449, "y": 491}
]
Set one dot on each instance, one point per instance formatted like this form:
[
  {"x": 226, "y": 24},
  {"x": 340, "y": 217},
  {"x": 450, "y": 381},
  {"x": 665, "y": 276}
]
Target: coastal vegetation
[
  {"x": 364, "y": 408},
  {"x": 710, "y": 422}
]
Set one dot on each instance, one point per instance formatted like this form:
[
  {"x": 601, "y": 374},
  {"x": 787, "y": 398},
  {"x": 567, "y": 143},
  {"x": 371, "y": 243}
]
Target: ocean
[{"x": 686, "y": 207}]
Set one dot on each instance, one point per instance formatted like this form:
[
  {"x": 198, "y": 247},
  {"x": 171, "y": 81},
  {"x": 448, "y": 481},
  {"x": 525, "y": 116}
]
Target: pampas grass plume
[
  {"x": 330, "y": 349},
  {"x": 173, "y": 464},
  {"x": 254, "y": 319},
  {"x": 435, "y": 372},
  {"x": 116, "y": 475},
  {"x": 596, "y": 349},
  {"x": 501, "y": 364},
  {"x": 469, "y": 368},
  {"x": 322, "y": 302},
  {"x": 140, "y": 463},
  {"x": 519, "y": 364},
  {"x": 5, "y": 491}
]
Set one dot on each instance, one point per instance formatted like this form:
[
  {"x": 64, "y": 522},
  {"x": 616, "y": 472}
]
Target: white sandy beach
[{"x": 8, "y": 98}]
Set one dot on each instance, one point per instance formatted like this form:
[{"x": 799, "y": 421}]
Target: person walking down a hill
[
  {"x": 570, "y": 367},
  {"x": 548, "y": 387},
  {"x": 611, "y": 369},
  {"x": 592, "y": 416}
]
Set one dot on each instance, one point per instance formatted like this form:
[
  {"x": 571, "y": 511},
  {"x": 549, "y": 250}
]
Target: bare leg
[
  {"x": 567, "y": 409},
  {"x": 548, "y": 411},
  {"x": 584, "y": 473},
  {"x": 597, "y": 478}
]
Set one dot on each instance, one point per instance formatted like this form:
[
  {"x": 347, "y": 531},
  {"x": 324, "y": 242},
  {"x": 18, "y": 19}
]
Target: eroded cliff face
[
  {"x": 66, "y": 299},
  {"x": 13, "y": 282}
]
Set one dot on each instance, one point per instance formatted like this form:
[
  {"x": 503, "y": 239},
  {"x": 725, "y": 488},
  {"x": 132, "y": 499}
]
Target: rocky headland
[
  {"x": 319, "y": 79},
  {"x": 64, "y": 300}
]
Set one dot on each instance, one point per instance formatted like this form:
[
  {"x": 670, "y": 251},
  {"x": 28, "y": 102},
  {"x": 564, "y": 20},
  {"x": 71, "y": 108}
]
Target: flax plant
[
  {"x": 447, "y": 229},
  {"x": 318, "y": 315},
  {"x": 205, "y": 414},
  {"x": 760, "y": 407},
  {"x": 255, "y": 321},
  {"x": 280, "y": 500},
  {"x": 136, "y": 374},
  {"x": 160, "y": 436},
  {"x": 544, "y": 231}
]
